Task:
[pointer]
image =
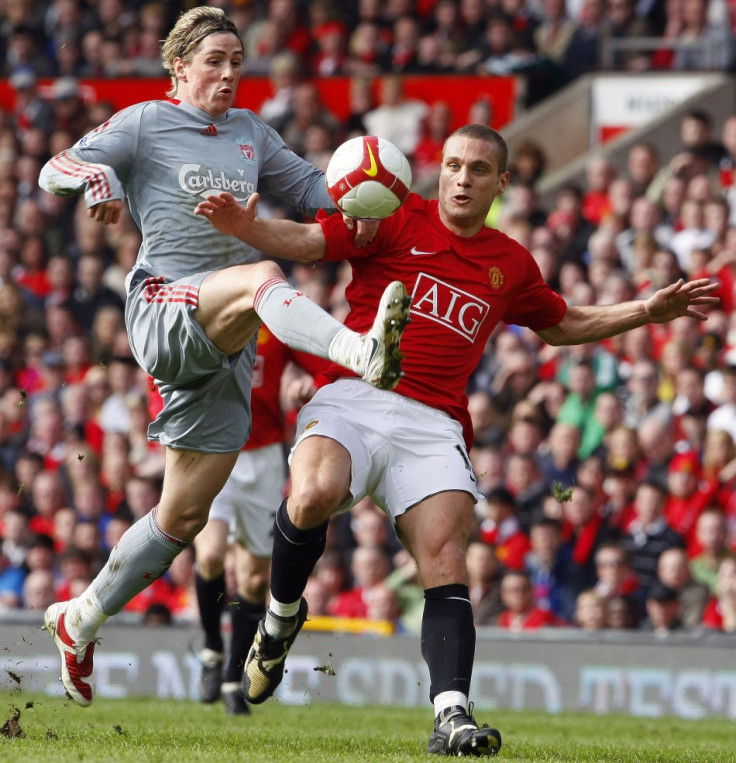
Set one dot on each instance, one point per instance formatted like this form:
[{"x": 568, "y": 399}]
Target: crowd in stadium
[{"x": 608, "y": 470}]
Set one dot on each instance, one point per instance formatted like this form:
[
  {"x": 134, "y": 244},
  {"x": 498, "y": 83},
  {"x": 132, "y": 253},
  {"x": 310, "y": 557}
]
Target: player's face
[
  {"x": 209, "y": 78},
  {"x": 469, "y": 182}
]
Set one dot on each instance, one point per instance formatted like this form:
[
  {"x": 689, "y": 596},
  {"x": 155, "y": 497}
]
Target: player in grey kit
[{"x": 196, "y": 298}]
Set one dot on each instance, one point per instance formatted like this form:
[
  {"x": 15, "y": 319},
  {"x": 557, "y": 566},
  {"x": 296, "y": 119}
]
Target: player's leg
[
  {"x": 211, "y": 546},
  {"x": 248, "y": 609},
  {"x": 436, "y": 532},
  {"x": 227, "y": 299},
  {"x": 257, "y": 484},
  {"x": 141, "y": 556},
  {"x": 320, "y": 482}
]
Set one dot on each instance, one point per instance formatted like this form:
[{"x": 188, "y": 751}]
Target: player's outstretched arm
[
  {"x": 279, "y": 238},
  {"x": 595, "y": 322},
  {"x": 68, "y": 174}
]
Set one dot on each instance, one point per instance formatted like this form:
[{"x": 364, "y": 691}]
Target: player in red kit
[{"x": 407, "y": 448}]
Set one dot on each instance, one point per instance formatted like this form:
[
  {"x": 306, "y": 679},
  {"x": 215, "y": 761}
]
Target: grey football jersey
[{"x": 165, "y": 157}]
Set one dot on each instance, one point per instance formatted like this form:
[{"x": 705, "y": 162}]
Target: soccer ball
[{"x": 368, "y": 178}]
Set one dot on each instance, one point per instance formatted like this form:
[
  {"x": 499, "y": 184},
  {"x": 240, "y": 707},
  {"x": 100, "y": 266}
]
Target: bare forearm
[
  {"x": 285, "y": 239},
  {"x": 596, "y": 322}
]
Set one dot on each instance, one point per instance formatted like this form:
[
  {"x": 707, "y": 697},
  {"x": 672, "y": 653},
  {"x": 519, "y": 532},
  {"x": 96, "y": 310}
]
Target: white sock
[
  {"x": 84, "y": 616},
  {"x": 448, "y": 699},
  {"x": 280, "y": 618},
  {"x": 301, "y": 324}
]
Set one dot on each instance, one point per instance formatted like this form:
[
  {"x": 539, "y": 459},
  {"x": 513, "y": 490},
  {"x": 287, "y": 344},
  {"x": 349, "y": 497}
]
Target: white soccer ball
[{"x": 368, "y": 178}]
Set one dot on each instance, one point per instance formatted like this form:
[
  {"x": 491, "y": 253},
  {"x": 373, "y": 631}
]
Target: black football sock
[
  {"x": 211, "y": 600},
  {"x": 295, "y": 552},
  {"x": 244, "y": 616},
  {"x": 448, "y": 638}
]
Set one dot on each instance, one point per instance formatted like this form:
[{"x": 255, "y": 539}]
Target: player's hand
[
  {"x": 680, "y": 299},
  {"x": 106, "y": 212},
  {"x": 299, "y": 391},
  {"x": 365, "y": 230},
  {"x": 226, "y": 213}
]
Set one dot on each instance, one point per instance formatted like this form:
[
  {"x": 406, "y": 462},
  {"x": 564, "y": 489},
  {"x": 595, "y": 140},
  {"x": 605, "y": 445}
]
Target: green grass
[{"x": 151, "y": 730}]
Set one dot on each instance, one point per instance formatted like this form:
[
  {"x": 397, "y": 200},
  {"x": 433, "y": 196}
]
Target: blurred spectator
[
  {"x": 642, "y": 164},
  {"x": 428, "y": 152},
  {"x": 382, "y": 605},
  {"x": 642, "y": 401},
  {"x": 75, "y": 571},
  {"x": 48, "y": 495},
  {"x": 724, "y": 416},
  {"x": 663, "y": 610},
  {"x": 528, "y": 162},
  {"x": 484, "y": 582},
  {"x": 583, "y": 530},
  {"x": 501, "y": 530},
  {"x": 560, "y": 462},
  {"x": 711, "y": 534},
  {"x": 712, "y": 47},
  {"x": 284, "y": 73},
  {"x": 622, "y": 21},
  {"x": 368, "y": 567},
  {"x": 157, "y": 614},
  {"x": 38, "y": 590},
  {"x": 521, "y": 612},
  {"x": 404, "y": 582},
  {"x": 616, "y": 578},
  {"x": 590, "y": 611},
  {"x": 720, "y": 614},
  {"x": 396, "y": 118},
  {"x": 687, "y": 496},
  {"x": 307, "y": 110},
  {"x": 546, "y": 564},
  {"x": 649, "y": 535},
  {"x": 403, "y": 52},
  {"x": 91, "y": 294},
  {"x": 525, "y": 481},
  {"x": 599, "y": 173},
  {"x": 553, "y": 36},
  {"x": 317, "y": 594},
  {"x": 621, "y": 614},
  {"x": 30, "y": 110},
  {"x": 674, "y": 572}
]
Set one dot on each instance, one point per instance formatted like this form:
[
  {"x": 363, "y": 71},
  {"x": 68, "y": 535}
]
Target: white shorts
[
  {"x": 251, "y": 497},
  {"x": 401, "y": 451}
]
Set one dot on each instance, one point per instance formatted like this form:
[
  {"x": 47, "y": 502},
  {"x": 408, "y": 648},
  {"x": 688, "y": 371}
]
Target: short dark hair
[{"x": 488, "y": 134}]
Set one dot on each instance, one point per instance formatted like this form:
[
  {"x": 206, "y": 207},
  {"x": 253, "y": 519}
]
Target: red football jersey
[{"x": 460, "y": 288}]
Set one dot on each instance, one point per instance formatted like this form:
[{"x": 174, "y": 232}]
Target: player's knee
[
  {"x": 313, "y": 503},
  {"x": 210, "y": 564},
  {"x": 254, "y": 587},
  {"x": 264, "y": 271}
]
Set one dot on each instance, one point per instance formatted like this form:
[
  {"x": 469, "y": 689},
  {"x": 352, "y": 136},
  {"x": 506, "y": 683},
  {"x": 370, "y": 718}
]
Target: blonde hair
[{"x": 191, "y": 28}]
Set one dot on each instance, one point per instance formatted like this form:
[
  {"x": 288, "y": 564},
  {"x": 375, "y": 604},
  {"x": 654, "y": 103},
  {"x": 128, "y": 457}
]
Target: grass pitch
[{"x": 40, "y": 728}]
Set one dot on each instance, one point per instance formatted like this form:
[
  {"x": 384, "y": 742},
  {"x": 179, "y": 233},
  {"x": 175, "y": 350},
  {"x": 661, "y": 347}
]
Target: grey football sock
[
  {"x": 300, "y": 323},
  {"x": 141, "y": 556}
]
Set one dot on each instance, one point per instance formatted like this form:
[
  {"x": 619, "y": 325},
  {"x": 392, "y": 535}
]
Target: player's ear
[
  {"x": 503, "y": 181},
  {"x": 179, "y": 69}
]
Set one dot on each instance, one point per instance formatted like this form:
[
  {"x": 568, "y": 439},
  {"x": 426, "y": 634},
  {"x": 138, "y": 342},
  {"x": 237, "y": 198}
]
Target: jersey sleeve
[
  {"x": 339, "y": 238},
  {"x": 287, "y": 176},
  {"x": 98, "y": 163},
  {"x": 536, "y": 306}
]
